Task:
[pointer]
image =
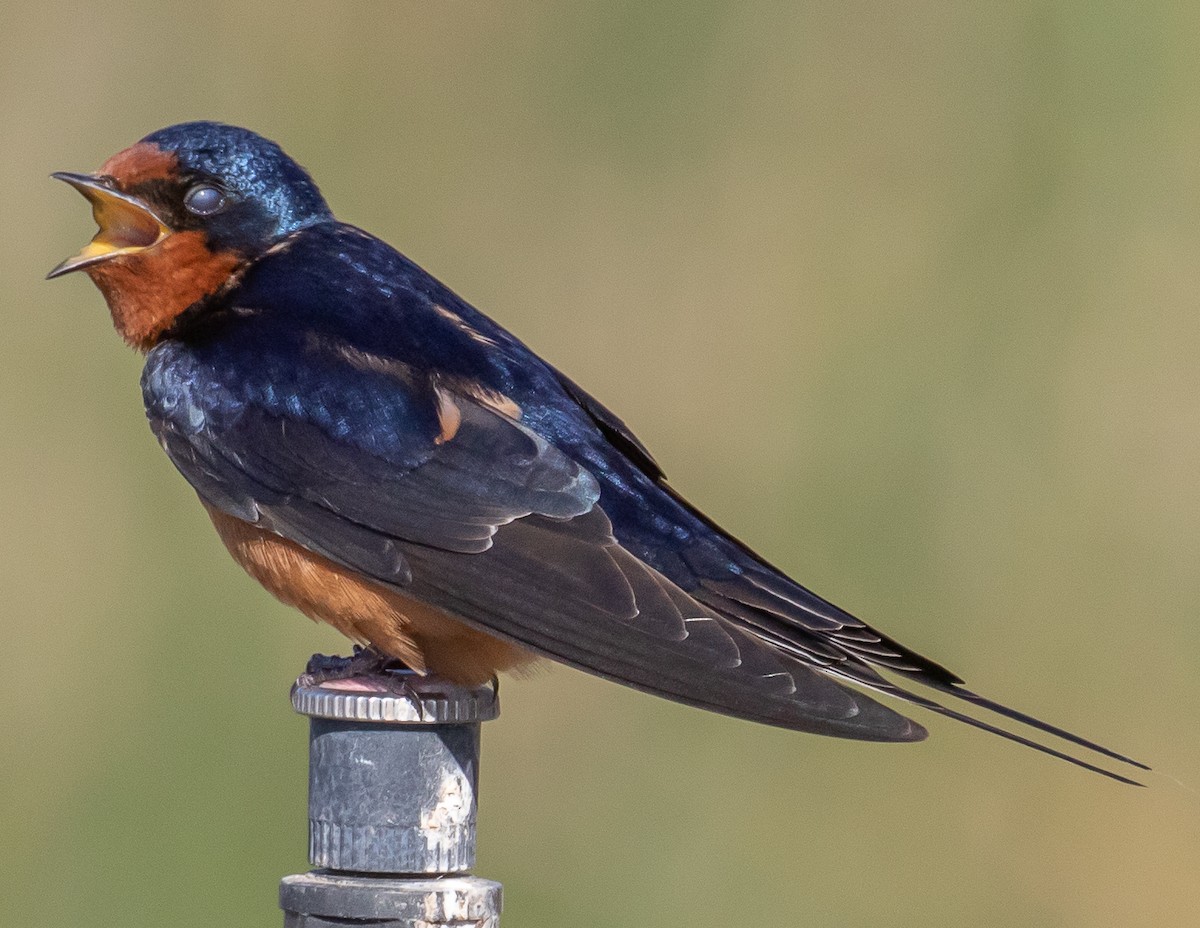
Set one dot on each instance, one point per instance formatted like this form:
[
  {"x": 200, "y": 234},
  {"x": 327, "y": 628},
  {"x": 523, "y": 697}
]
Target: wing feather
[{"x": 494, "y": 525}]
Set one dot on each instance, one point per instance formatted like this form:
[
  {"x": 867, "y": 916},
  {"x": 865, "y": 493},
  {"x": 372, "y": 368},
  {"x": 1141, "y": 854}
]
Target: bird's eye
[{"x": 204, "y": 200}]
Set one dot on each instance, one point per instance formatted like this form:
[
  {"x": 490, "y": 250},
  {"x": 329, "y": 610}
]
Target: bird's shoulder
[
  {"x": 339, "y": 282},
  {"x": 335, "y": 319}
]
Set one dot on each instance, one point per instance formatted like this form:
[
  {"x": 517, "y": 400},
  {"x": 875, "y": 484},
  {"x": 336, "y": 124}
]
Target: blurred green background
[{"x": 904, "y": 294}]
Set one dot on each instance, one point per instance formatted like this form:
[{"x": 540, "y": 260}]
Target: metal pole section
[{"x": 392, "y": 787}]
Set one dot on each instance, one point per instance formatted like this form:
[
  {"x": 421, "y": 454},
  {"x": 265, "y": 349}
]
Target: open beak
[{"x": 127, "y": 225}]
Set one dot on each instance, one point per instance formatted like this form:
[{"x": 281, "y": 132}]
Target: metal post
[{"x": 392, "y": 787}]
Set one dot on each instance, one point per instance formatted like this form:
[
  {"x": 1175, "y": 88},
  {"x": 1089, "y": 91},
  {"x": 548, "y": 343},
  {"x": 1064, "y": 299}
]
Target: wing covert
[{"x": 301, "y": 459}]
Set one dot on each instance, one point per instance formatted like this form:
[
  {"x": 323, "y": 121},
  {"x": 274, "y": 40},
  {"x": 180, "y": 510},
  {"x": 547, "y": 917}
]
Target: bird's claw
[{"x": 366, "y": 670}]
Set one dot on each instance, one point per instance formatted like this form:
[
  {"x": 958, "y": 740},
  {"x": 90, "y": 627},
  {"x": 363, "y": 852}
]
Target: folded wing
[{"x": 461, "y": 505}]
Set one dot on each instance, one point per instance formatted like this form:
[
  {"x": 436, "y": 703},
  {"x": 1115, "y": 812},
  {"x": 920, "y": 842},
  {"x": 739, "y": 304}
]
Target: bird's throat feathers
[{"x": 148, "y": 293}]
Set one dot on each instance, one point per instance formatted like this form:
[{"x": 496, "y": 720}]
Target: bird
[{"x": 387, "y": 459}]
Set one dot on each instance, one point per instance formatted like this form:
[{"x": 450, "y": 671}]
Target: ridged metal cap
[
  {"x": 322, "y": 899},
  {"x": 427, "y": 701}
]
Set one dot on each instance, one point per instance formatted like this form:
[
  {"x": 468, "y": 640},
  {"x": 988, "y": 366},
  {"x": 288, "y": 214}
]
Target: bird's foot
[
  {"x": 364, "y": 662},
  {"x": 365, "y": 671}
]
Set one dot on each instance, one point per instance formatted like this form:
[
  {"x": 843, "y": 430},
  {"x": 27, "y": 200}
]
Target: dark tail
[{"x": 884, "y": 686}]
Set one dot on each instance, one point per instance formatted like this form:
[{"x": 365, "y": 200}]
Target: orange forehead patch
[{"x": 141, "y": 162}]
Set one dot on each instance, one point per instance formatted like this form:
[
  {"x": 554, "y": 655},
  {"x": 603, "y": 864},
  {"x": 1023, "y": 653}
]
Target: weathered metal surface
[
  {"x": 393, "y": 780},
  {"x": 335, "y": 900}
]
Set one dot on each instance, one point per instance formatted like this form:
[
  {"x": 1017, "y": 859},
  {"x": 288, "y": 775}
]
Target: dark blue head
[
  {"x": 238, "y": 187},
  {"x": 264, "y": 194},
  {"x": 181, "y": 214}
]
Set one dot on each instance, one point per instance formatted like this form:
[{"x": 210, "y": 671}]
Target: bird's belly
[{"x": 422, "y": 636}]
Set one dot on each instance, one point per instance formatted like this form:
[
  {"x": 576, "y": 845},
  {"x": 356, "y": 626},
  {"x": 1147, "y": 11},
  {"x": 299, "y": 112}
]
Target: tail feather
[
  {"x": 991, "y": 705},
  {"x": 857, "y": 653},
  {"x": 878, "y": 684}
]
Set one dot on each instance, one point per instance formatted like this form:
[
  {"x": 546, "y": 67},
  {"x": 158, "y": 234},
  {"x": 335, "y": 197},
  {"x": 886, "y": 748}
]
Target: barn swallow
[{"x": 382, "y": 456}]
